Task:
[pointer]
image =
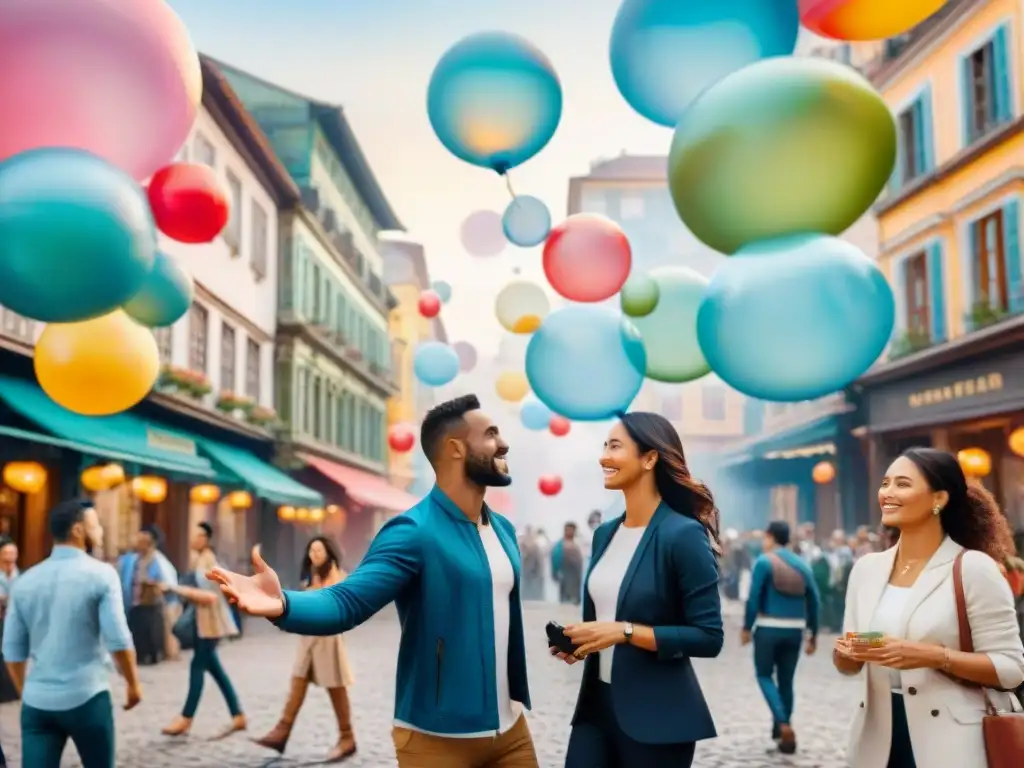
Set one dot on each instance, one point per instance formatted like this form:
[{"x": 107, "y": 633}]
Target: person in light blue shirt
[
  {"x": 66, "y": 614},
  {"x": 783, "y": 605}
]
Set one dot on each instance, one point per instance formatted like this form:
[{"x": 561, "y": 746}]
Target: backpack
[{"x": 786, "y": 579}]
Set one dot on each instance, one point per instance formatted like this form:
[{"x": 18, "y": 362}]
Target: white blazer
[{"x": 944, "y": 717}]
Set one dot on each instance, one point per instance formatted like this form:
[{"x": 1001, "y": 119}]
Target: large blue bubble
[
  {"x": 77, "y": 239},
  {"x": 527, "y": 221},
  {"x": 494, "y": 100},
  {"x": 435, "y": 364},
  {"x": 585, "y": 362},
  {"x": 795, "y": 318},
  {"x": 664, "y": 53},
  {"x": 534, "y": 414}
]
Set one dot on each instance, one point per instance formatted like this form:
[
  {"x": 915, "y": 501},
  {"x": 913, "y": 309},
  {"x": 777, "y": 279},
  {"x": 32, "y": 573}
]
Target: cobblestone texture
[{"x": 260, "y": 665}]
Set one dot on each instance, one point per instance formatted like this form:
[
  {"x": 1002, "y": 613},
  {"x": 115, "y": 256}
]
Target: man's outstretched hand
[{"x": 259, "y": 594}]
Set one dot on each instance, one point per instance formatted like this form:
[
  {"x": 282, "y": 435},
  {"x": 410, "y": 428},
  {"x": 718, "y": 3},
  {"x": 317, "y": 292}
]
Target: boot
[
  {"x": 346, "y": 746},
  {"x": 277, "y": 738},
  {"x": 787, "y": 740}
]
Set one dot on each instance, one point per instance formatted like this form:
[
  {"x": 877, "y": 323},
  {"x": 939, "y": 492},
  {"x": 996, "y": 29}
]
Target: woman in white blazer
[{"x": 912, "y": 712}]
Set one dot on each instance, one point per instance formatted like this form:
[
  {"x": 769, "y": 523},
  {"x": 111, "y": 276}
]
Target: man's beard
[{"x": 481, "y": 470}]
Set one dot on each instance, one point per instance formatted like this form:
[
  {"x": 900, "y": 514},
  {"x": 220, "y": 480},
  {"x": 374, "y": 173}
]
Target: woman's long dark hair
[
  {"x": 972, "y": 517},
  {"x": 678, "y": 488},
  {"x": 333, "y": 559}
]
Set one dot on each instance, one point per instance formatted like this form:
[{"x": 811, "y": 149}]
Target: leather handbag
[{"x": 1003, "y": 732}]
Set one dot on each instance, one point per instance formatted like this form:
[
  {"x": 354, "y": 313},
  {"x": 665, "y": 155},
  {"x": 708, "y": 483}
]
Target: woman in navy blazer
[{"x": 650, "y": 604}]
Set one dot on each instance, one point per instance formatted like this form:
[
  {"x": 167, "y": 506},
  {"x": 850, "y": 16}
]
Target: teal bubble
[
  {"x": 526, "y": 222},
  {"x": 535, "y": 415},
  {"x": 165, "y": 296},
  {"x": 669, "y": 333},
  {"x": 435, "y": 364},
  {"x": 639, "y": 296},
  {"x": 443, "y": 290}
]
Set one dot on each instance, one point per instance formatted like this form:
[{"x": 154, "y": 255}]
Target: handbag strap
[{"x": 964, "y": 622}]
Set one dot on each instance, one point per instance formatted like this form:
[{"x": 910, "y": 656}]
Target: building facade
[
  {"x": 950, "y": 244},
  {"x": 334, "y": 355}
]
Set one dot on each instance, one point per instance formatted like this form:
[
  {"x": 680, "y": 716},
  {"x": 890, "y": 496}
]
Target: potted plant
[
  {"x": 262, "y": 416},
  {"x": 984, "y": 314},
  {"x": 230, "y": 402},
  {"x": 197, "y": 385},
  {"x": 908, "y": 343}
]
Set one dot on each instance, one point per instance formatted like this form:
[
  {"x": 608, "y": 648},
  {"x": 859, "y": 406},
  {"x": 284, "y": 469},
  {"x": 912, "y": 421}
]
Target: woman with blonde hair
[{"x": 943, "y": 648}]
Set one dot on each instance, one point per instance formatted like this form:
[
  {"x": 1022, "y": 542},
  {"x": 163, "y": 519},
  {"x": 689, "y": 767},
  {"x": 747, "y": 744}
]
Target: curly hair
[{"x": 972, "y": 517}]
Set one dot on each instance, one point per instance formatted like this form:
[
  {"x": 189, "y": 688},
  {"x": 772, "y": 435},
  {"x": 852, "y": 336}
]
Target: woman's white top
[
  {"x": 605, "y": 582},
  {"x": 888, "y": 619}
]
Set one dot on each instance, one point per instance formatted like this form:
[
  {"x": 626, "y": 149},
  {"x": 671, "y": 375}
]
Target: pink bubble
[
  {"x": 587, "y": 258},
  {"x": 482, "y": 234},
  {"x": 119, "y": 79},
  {"x": 467, "y": 355}
]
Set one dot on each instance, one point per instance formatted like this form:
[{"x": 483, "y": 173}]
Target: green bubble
[
  {"x": 669, "y": 332},
  {"x": 785, "y": 146},
  {"x": 639, "y": 296}
]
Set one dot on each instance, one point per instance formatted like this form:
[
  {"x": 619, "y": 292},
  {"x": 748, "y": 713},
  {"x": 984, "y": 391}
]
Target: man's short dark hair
[
  {"x": 441, "y": 419},
  {"x": 779, "y": 531},
  {"x": 64, "y": 516},
  {"x": 207, "y": 529},
  {"x": 155, "y": 533}
]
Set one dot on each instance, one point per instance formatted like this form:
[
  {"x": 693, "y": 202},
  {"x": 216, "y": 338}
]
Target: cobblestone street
[{"x": 260, "y": 665}]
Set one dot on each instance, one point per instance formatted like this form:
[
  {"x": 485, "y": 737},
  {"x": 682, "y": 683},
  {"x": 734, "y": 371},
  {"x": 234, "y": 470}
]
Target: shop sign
[
  {"x": 973, "y": 387},
  {"x": 165, "y": 441}
]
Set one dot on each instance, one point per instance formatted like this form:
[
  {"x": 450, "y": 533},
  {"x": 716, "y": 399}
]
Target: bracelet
[{"x": 945, "y": 660}]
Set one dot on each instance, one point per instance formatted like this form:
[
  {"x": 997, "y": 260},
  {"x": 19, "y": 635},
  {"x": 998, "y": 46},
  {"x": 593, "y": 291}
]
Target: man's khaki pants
[{"x": 512, "y": 749}]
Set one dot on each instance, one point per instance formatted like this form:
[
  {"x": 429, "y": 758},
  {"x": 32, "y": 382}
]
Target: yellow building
[
  {"x": 405, "y": 273},
  {"x": 949, "y": 231}
]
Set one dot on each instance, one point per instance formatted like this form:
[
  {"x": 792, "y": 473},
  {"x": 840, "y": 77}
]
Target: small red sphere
[
  {"x": 401, "y": 438},
  {"x": 430, "y": 304},
  {"x": 559, "y": 426},
  {"x": 550, "y": 485},
  {"x": 188, "y": 203}
]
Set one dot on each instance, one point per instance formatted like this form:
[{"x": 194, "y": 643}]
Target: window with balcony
[
  {"x": 260, "y": 240},
  {"x": 203, "y": 151},
  {"x": 987, "y": 88},
  {"x": 252, "y": 369},
  {"x": 920, "y": 296},
  {"x": 164, "y": 344},
  {"x": 198, "y": 337},
  {"x": 988, "y": 256},
  {"x": 915, "y": 139},
  {"x": 712, "y": 403},
  {"x": 227, "y": 358},
  {"x": 233, "y": 231},
  {"x": 916, "y": 295}
]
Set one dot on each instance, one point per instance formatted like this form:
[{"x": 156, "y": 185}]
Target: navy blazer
[{"x": 671, "y": 585}]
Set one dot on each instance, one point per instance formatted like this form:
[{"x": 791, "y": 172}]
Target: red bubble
[
  {"x": 559, "y": 426},
  {"x": 188, "y": 202},
  {"x": 430, "y": 304},
  {"x": 550, "y": 485},
  {"x": 401, "y": 438},
  {"x": 587, "y": 258}
]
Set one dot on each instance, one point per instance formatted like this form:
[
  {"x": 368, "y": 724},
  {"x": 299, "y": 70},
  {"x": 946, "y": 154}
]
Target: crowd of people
[{"x": 925, "y": 611}]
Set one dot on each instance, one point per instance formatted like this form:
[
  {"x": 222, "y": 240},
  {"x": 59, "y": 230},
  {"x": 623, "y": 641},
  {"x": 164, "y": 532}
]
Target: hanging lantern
[
  {"x": 239, "y": 500},
  {"x": 204, "y": 494},
  {"x": 25, "y": 476},
  {"x": 102, "y": 477},
  {"x": 302, "y": 515},
  {"x": 333, "y": 509},
  {"x": 149, "y": 489},
  {"x": 975, "y": 462},
  {"x": 824, "y": 472},
  {"x": 1016, "y": 441},
  {"x": 286, "y": 514},
  {"x": 316, "y": 515}
]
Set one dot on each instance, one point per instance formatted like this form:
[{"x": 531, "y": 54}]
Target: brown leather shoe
[
  {"x": 346, "y": 746},
  {"x": 277, "y": 738},
  {"x": 787, "y": 740},
  {"x": 180, "y": 726}
]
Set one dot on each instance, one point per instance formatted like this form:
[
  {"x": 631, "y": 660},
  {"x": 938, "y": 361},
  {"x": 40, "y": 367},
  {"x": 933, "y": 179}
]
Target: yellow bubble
[
  {"x": 521, "y": 306},
  {"x": 512, "y": 386}
]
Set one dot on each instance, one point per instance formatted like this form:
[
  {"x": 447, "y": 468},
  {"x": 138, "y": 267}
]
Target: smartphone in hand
[{"x": 557, "y": 638}]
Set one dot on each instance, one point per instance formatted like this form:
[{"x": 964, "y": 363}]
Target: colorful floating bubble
[
  {"x": 664, "y": 53},
  {"x": 435, "y": 364},
  {"x": 494, "y": 100},
  {"x": 401, "y": 438},
  {"x": 482, "y": 234},
  {"x": 429, "y": 304},
  {"x": 526, "y": 222},
  {"x": 97, "y": 367},
  {"x": 670, "y": 331},
  {"x": 535, "y": 415},
  {"x": 466, "y": 353},
  {"x": 559, "y": 426},
  {"x": 188, "y": 202},
  {"x": 76, "y": 236},
  {"x": 585, "y": 362},
  {"x": 795, "y": 318},
  {"x": 165, "y": 295},
  {"x": 794, "y": 144},
  {"x": 120, "y": 80},
  {"x": 587, "y": 258},
  {"x": 521, "y": 306},
  {"x": 512, "y": 386},
  {"x": 865, "y": 19},
  {"x": 549, "y": 485},
  {"x": 639, "y": 296},
  {"x": 443, "y": 290}
]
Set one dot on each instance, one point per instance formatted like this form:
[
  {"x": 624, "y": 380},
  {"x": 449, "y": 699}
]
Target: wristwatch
[{"x": 627, "y": 630}]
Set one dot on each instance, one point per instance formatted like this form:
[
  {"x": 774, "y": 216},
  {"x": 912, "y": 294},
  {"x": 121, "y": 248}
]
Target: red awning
[{"x": 363, "y": 487}]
